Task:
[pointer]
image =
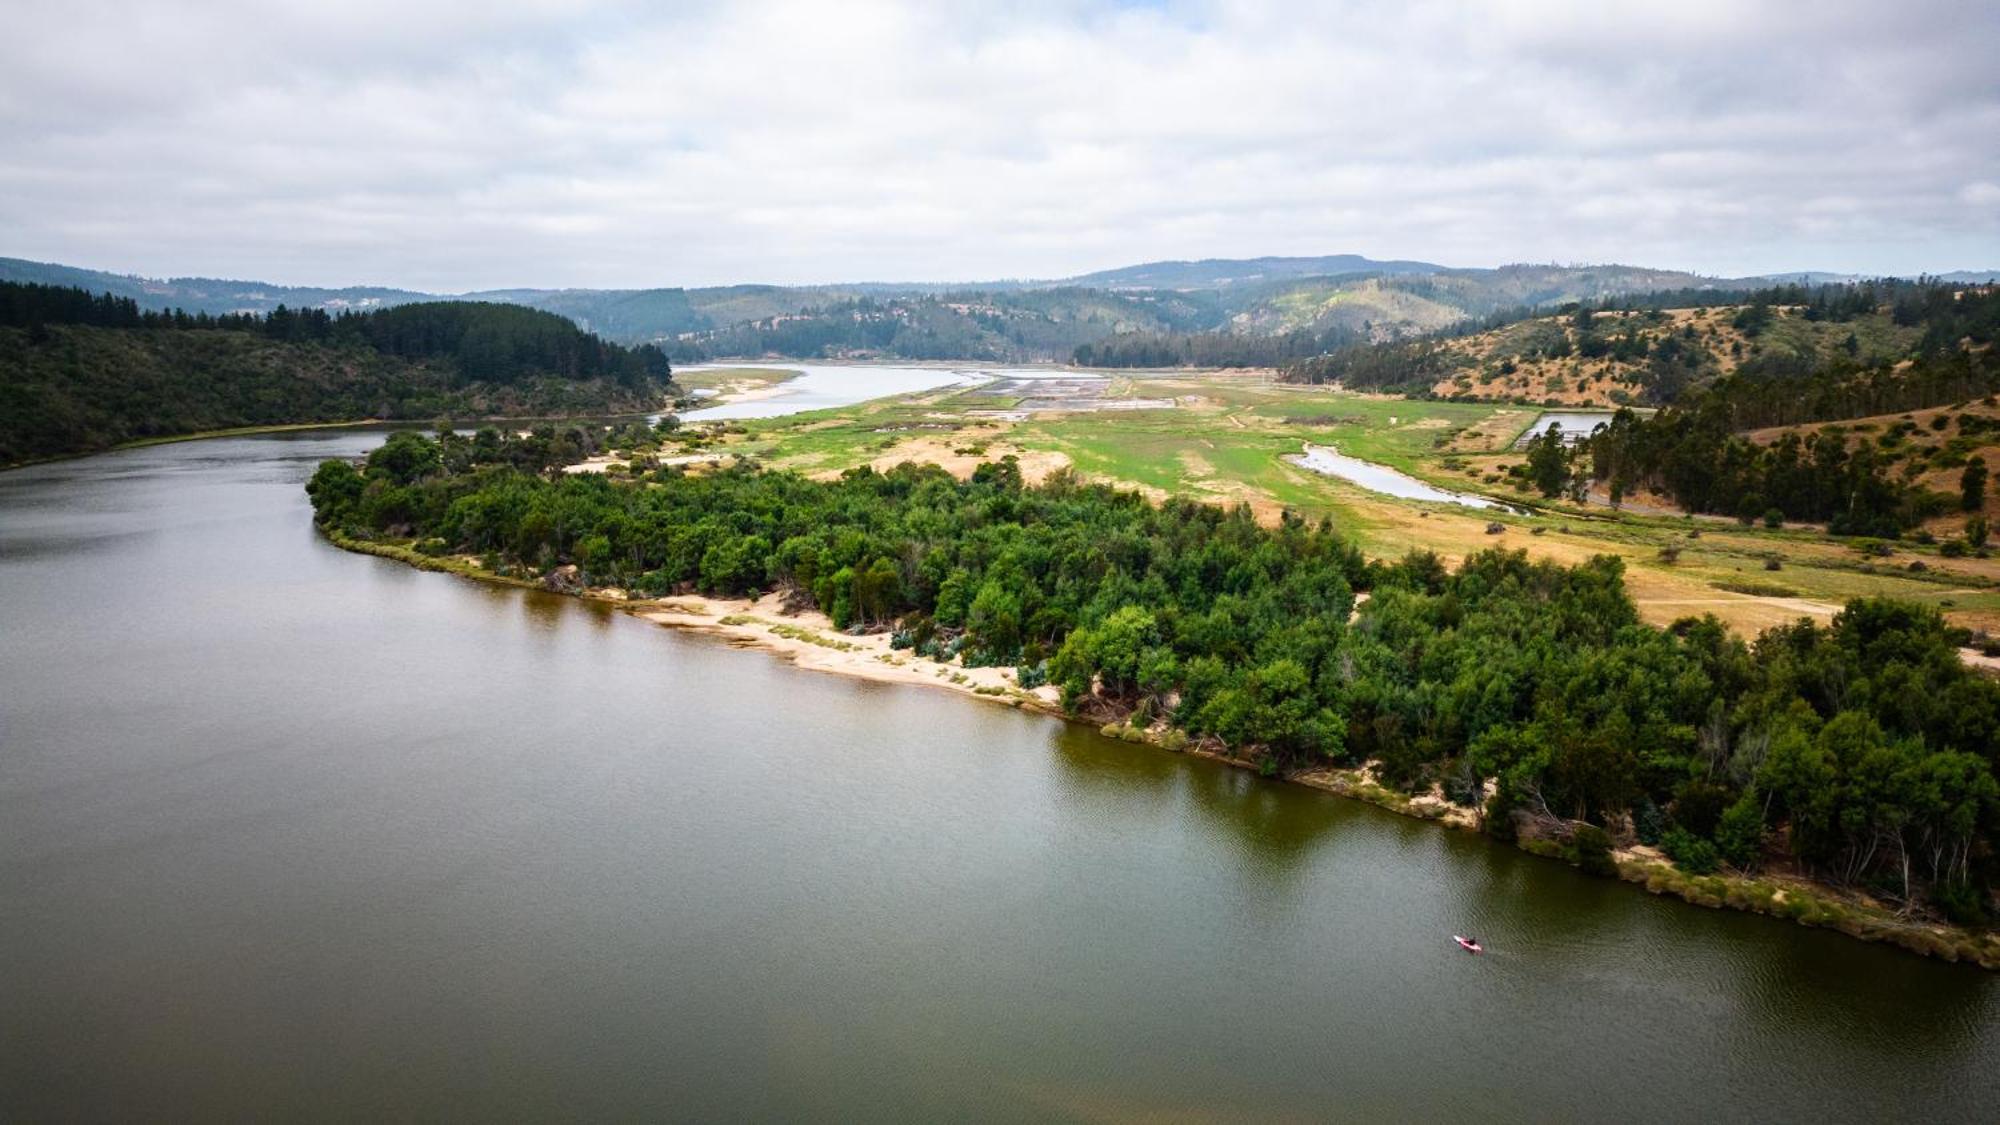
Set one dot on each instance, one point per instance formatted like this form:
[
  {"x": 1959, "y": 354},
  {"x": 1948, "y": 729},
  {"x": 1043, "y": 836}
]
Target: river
[{"x": 290, "y": 833}]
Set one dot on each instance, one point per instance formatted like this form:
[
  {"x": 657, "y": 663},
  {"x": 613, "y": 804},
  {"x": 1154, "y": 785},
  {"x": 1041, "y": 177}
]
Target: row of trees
[
  {"x": 1704, "y": 467},
  {"x": 1864, "y": 751}
]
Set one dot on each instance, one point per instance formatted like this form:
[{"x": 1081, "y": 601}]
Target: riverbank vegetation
[
  {"x": 1861, "y": 751},
  {"x": 80, "y": 372}
]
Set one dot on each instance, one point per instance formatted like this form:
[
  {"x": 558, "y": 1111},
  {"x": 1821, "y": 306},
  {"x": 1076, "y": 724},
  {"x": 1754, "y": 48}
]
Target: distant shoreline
[{"x": 295, "y": 427}]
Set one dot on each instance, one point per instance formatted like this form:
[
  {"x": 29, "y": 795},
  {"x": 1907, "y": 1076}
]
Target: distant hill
[
  {"x": 82, "y": 371},
  {"x": 215, "y": 296},
  {"x": 615, "y": 314},
  {"x": 1171, "y": 311},
  {"x": 1779, "y": 346},
  {"x": 1220, "y": 273}
]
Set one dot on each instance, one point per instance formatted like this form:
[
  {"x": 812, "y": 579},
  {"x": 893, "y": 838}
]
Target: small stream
[{"x": 1383, "y": 479}]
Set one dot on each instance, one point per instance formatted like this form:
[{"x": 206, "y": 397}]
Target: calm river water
[{"x": 292, "y": 833}]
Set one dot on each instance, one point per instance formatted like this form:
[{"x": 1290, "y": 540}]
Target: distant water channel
[
  {"x": 1572, "y": 425},
  {"x": 292, "y": 833},
  {"x": 823, "y": 386},
  {"x": 1383, "y": 479}
]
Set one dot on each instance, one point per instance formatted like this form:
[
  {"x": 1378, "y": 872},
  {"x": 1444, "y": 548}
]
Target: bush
[
  {"x": 1648, "y": 822},
  {"x": 1952, "y": 548},
  {"x": 1773, "y": 518},
  {"x": 1963, "y": 903},
  {"x": 1592, "y": 846},
  {"x": 1690, "y": 852},
  {"x": 1740, "y": 837},
  {"x": 1499, "y": 816},
  {"x": 1773, "y": 564},
  {"x": 1032, "y": 676}
]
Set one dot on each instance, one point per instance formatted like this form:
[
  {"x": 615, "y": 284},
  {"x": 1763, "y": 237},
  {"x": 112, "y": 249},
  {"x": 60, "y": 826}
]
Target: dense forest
[
  {"x": 82, "y": 371},
  {"x": 1863, "y": 751}
]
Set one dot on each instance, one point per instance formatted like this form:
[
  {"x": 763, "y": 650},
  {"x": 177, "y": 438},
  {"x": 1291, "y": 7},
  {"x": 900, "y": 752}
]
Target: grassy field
[{"x": 1227, "y": 437}]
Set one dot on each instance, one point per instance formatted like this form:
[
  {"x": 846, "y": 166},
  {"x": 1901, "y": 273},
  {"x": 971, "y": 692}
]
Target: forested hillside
[
  {"x": 1778, "y": 358},
  {"x": 82, "y": 371},
  {"x": 1863, "y": 752},
  {"x": 1697, "y": 452},
  {"x": 1217, "y": 311},
  {"x": 1648, "y": 349}
]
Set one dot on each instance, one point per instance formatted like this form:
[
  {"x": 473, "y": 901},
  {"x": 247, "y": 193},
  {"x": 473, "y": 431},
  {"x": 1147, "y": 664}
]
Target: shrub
[
  {"x": 1740, "y": 837},
  {"x": 1963, "y": 903},
  {"x": 1592, "y": 846},
  {"x": 1499, "y": 817},
  {"x": 1648, "y": 822},
  {"x": 1952, "y": 548},
  {"x": 1773, "y": 518},
  {"x": 1773, "y": 564},
  {"x": 1690, "y": 852}
]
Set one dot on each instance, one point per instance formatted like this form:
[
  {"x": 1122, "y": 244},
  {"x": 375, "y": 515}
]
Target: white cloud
[{"x": 458, "y": 145}]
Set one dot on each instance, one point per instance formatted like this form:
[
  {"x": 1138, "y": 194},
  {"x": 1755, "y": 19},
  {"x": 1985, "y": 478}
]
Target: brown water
[{"x": 291, "y": 833}]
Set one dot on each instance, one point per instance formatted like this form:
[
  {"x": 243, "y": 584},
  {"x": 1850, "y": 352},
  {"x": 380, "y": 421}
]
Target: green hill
[{"x": 80, "y": 372}]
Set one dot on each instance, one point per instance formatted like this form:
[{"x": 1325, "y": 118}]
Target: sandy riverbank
[{"x": 810, "y": 641}]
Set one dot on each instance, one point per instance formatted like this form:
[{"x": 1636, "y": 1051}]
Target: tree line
[{"x": 1863, "y": 751}]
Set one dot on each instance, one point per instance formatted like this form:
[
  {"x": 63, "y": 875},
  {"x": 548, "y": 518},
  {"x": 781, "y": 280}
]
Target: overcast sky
[{"x": 450, "y": 146}]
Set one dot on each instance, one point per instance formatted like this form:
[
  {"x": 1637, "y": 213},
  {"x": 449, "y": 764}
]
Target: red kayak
[{"x": 1470, "y": 945}]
